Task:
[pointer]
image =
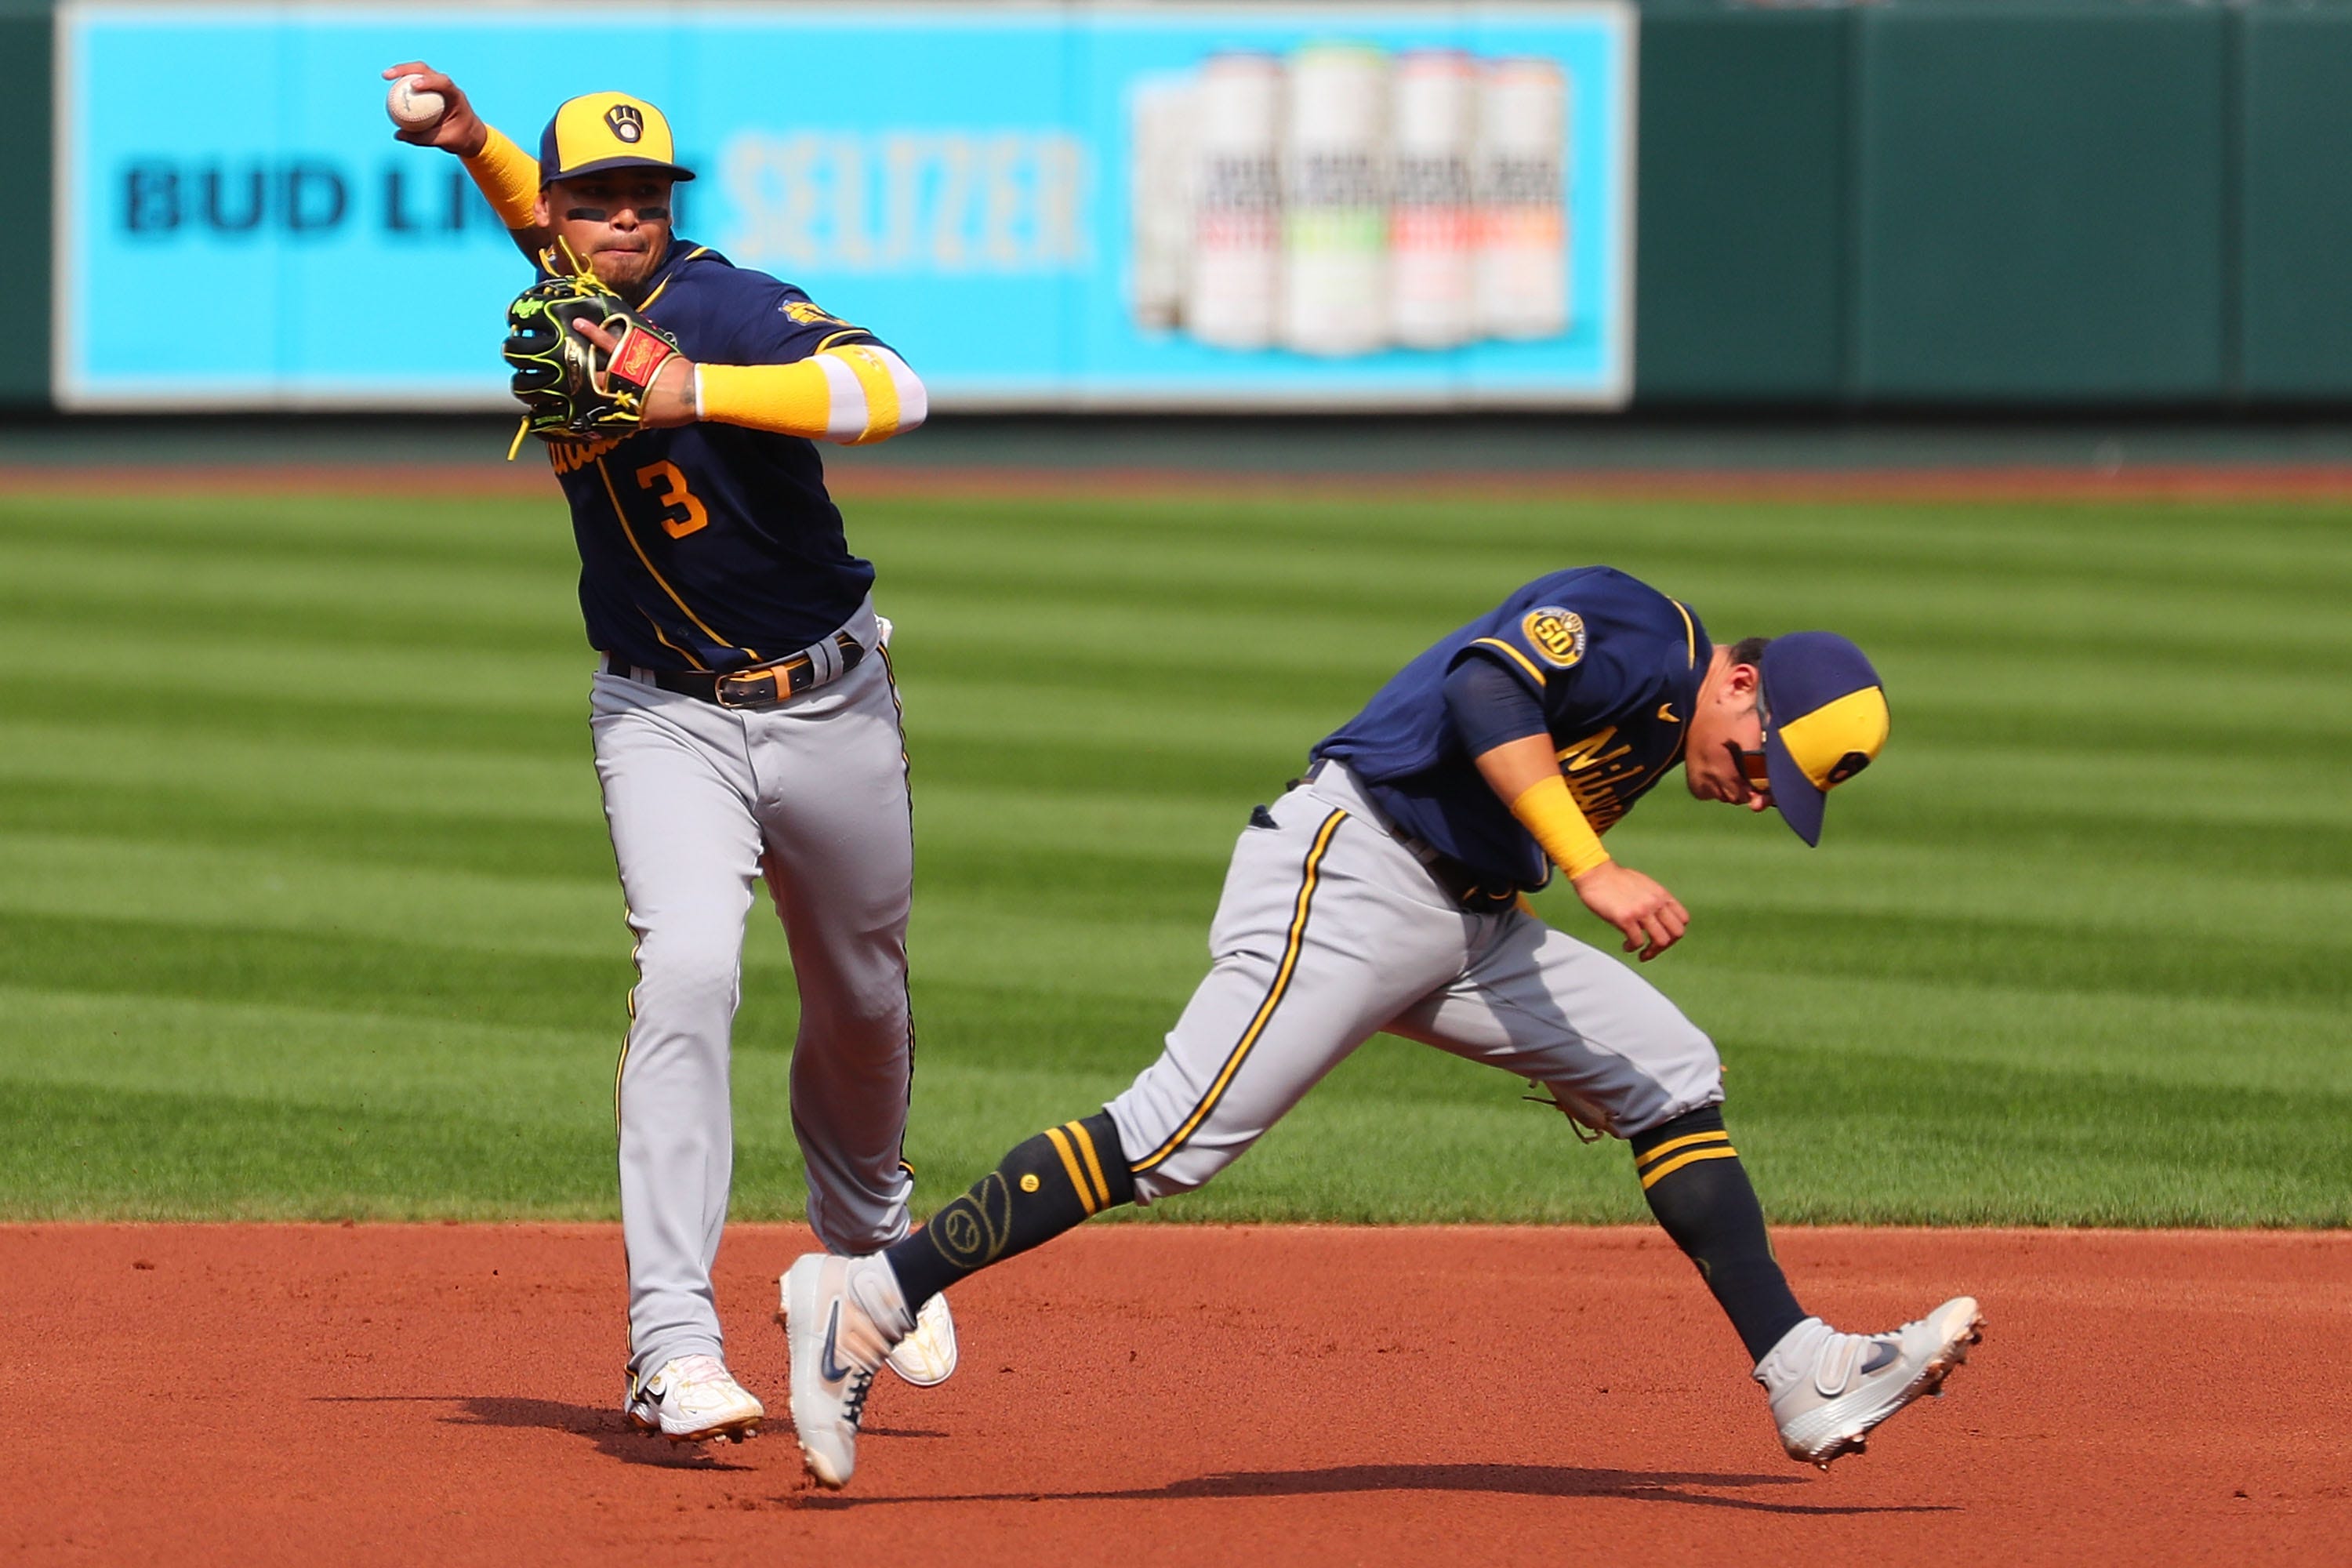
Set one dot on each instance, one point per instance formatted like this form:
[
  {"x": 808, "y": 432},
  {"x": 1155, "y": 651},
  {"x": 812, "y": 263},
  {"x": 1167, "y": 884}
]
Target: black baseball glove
[{"x": 572, "y": 390}]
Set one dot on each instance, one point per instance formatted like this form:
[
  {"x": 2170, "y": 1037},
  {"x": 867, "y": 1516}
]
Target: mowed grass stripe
[
  {"x": 1097, "y": 907},
  {"x": 449, "y": 533},
  {"x": 2100, "y": 875},
  {"x": 1999, "y": 1144},
  {"x": 1912, "y": 580}
]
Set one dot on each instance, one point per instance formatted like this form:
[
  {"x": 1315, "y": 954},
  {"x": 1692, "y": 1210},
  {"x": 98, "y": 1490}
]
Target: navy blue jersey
[
  {"x": 712, "y": 546},
  {"x": 1616, "y": 665}
]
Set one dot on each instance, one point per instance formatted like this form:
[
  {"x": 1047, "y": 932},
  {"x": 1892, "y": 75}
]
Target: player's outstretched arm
[{"x": 508, "y": 175}]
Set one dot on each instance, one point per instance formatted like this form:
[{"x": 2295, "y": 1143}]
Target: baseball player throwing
[
  {"x": 1383, "y": 892},
  {"x": 745, "y": 720}
]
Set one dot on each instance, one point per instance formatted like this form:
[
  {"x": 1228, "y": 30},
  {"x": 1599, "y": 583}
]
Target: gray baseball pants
[
  {"x": 703, "y": 801},
  {"x": 1329, "y": 931}
]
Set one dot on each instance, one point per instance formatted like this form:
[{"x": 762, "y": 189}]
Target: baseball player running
[
  {"x": 1383, "y": 892},
  {"x": 744, "y": 716}
]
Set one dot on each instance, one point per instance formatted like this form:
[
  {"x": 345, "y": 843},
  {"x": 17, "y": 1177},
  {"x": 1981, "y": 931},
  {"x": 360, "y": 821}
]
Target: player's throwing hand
[{"x": 459, "y": 129}]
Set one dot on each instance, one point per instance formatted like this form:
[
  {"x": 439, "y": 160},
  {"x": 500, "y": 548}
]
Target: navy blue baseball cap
[
  {"x": 603, "y": 130},
  {"x": 1825, "y": 719}
]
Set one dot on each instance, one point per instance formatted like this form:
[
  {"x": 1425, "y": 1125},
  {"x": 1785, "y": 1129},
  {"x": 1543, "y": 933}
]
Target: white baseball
[{"x": 411, "y": 107}]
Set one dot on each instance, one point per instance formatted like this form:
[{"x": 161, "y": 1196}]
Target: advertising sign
[{"x": 1129, "y": 205}]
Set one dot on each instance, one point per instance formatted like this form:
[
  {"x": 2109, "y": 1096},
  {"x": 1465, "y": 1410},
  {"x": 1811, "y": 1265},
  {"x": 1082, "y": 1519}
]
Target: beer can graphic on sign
[
  {"x": 1336, "y": 201},
  {"x": 1432, "y": 237},
  {"x": 1161, "y": 204},
  {"x": 1233, "y": 285},
  {"x": 1522, "y": 200}
]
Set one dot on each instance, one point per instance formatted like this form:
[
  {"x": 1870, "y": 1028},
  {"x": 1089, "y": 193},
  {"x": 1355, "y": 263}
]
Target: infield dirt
[{"x": 1164, "y": 1395}]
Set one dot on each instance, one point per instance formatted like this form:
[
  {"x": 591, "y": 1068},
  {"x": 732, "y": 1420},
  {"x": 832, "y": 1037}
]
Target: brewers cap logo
[
  {"x": 1555, "y": 633},
  {"x": 626, "y": 123}
]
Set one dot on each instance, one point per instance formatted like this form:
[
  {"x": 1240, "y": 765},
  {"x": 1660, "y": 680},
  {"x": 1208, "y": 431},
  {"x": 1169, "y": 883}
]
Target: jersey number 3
[{"x": 674, "y": 495}]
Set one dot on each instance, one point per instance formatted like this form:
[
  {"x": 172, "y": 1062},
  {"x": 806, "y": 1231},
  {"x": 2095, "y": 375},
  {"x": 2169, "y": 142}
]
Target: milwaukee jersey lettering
[
  {"x": 711, "y": 546},
  {"x": 1616, "y": 667}
]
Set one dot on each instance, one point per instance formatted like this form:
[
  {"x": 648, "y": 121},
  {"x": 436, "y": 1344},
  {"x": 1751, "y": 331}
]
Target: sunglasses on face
[{"x": 1753, "y": 765}]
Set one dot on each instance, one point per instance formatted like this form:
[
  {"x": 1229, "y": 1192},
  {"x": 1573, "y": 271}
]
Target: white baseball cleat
[
  {"x": 692, "y": 1399},
  {"x": 842, "y": 1317},
  {"x": 1829, "y": 1389},
  {"x": 927, "y": 1358}
]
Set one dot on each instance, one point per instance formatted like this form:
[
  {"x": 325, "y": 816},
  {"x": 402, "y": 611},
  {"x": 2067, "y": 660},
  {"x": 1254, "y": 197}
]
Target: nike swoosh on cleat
[{"x": 826, "y": 1367}]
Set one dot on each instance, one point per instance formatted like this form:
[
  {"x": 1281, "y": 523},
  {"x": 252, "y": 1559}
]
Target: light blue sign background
[{"x": 972, "y": 166}]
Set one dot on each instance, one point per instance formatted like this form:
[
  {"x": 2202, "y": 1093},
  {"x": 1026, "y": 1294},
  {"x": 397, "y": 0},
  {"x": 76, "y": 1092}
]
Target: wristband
[{"x": 1546, "y": 809}]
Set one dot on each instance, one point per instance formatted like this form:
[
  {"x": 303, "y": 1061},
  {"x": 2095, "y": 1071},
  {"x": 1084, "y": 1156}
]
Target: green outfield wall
[
  {"x": 1987, "y": 202},
  {"x": 1919, "y": 203},
  {"x": 25, "y": 131}
]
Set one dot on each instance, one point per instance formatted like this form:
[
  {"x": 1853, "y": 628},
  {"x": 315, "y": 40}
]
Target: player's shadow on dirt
[
  {"x": 606, "y": 1429},
  {"x": 1514, "y": 1480}
]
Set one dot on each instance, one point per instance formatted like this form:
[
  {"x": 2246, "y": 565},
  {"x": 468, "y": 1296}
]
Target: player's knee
[
  {"x": 1686, "y": 1077},
  {"x": 875, "y": 1012},
  {"x": 1187, "y": 1170},
  {"x": 687, "y": 966}
]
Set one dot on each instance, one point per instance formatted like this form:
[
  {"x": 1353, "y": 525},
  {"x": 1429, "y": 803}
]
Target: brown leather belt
[{"x": 763, "y": 686}]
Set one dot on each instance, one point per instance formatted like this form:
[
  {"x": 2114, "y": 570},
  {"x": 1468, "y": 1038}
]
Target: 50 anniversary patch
[{"x": 1556, "y": 633}]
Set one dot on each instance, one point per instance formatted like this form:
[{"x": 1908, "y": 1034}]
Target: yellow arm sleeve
[
  {"x": 850, "y": 394},
  {"x": 1546, "y": 809},
  {"x": 508, "y": 178},
  {"x": 793, "y": 399}
]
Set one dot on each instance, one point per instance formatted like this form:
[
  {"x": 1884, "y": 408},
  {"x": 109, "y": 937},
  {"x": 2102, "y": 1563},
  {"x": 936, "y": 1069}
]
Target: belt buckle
[
  {"x": 763, "y": 694},
  {"x": 780, "y": 682}
]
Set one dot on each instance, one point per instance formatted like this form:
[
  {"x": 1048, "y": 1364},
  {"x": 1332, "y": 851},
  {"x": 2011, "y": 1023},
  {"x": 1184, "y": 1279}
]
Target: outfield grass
[{"x": 306, "y": 908}]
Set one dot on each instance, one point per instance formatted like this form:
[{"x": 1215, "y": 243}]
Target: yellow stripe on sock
[
  {"x": 1679, "y": 1161},
  {"x": 1086, "y": 1142},
  {"x": 1070, "y": 1164},
  {"x": 1668, "y": 1147}
]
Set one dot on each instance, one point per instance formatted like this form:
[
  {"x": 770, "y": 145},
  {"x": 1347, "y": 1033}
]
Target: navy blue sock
[
  {"x": 1051, "y": 1183},
  {"x": 1696, "y": 1187}
]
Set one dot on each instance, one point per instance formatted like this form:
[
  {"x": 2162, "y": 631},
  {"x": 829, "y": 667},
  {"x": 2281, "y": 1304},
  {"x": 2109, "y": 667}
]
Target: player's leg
[
  {"x": 1619, "y": 1058},
  {"x": 1325, "y": 928},
  {"x": 1318, "y": 938},
  {"x": 675, "y": 791},
  {"x": 839, "y": 861}
]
